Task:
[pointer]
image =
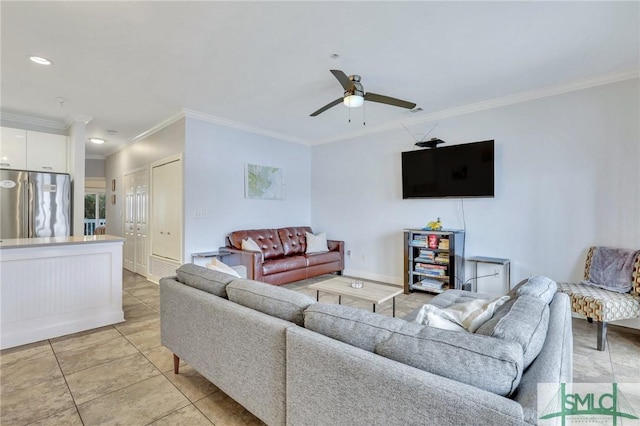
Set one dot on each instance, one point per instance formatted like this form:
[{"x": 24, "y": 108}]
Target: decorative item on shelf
[
  {"x": 433, "y": 241},
  {"x": 357, "y": 284},
  {"x": 434, "y": 225}
]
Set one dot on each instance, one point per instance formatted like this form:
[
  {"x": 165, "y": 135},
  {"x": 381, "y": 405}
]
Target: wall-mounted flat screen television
[{"x": 465, "y": 170}]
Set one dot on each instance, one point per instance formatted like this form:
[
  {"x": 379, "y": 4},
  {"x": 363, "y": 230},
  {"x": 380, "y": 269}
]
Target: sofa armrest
[
  {"x": 336, "y": 245},
  {"x": 252, "y": 260}
]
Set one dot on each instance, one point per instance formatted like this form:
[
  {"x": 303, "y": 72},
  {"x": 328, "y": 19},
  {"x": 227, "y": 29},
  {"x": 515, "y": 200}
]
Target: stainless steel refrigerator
[{"x": 34, "y": 204}]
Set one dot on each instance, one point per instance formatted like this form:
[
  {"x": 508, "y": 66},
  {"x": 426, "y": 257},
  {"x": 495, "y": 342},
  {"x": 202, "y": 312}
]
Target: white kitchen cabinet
[
  {"x": 13, "y": 148},
  {"x": 29, "y": 150},
  {"x": 46, "y": 152}
]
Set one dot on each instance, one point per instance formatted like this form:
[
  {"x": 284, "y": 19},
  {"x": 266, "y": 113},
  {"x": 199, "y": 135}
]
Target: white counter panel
[{"x": 56, "y": 288}]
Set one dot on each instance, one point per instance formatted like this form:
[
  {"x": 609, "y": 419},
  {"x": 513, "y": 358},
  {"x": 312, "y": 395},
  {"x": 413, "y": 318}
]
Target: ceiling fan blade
[
  {"x": 326, "y": 107},
  {"x": 374, "y": 97},
  {"x": 345, "y": 81}
]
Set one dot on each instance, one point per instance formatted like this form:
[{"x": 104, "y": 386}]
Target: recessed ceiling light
[
  {"x": 40, "y": 60},
  {"x": 112, "y": 132},
  {"x": 97, "y": 141}
]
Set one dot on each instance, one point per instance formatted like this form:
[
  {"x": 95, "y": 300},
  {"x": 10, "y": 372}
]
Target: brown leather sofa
[{"x": 282, "y": 258}]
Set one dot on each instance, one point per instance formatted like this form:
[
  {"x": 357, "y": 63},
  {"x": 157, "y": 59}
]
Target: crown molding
[
  {"x": 424, "y": 118},
  {"x": 494, "y": 103},
  {"x": 244, "y": 127},
  {"x": 161, "y": 125},
  {"x": 80, "y": 118},
  {"x": 209, "y": 118},
  {"x": 33, "y": 121}
]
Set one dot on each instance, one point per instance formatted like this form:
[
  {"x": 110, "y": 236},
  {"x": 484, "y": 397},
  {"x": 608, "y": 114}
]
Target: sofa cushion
[
  {"x": 289, "y": 263},
  {"x": 293, "y": 239},
  {"x": 267, "y": 239},
  {"x": 204, "y": 279},
  {"x": 354, "y": 326},
  {"x": 539, "y": 286},
  {"x": 321, "y": 258},
  {"x": 485, "y": 362},
  {"x": 525, "y": 323},
  {"x": 275, "y": 301}
]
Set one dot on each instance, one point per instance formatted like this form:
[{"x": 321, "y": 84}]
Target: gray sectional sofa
[{"x": 290, "y": 360}]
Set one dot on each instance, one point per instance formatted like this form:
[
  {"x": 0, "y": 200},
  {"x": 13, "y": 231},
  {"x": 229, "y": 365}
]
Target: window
[{"x": 94, "y": 212}]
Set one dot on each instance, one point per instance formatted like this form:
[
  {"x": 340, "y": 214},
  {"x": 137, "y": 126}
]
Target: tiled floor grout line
[
  {"x": 162, "y": 373},
  {"x": 64, "y": 377}
]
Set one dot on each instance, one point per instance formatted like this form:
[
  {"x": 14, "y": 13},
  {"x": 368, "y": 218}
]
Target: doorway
[{"x": 95, "y": 207}]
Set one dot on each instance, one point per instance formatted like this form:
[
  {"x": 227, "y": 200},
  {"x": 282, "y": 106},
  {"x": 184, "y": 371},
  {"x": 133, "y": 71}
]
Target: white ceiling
[{"x": 131, "y": 65}]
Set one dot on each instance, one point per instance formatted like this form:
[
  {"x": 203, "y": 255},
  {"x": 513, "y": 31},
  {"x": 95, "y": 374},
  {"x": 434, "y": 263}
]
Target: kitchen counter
[
  {"x": 55, "y": 286},
  {"x": 54, "y": 241}
]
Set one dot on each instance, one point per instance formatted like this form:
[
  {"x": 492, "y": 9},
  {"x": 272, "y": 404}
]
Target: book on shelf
[
  {"x": 443, "y": 244},
  {"x": 442, "y": 258},
  {"x": 431, "y": 266},
  {"x": 422, "y": 267},
  {"x": 431, "y": 283},
  {"x": 432, "y": 272},
  {"x": 429, "y": 254}
]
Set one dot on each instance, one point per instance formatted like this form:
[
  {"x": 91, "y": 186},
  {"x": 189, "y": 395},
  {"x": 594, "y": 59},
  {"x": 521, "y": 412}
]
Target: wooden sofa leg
[
  {"x": 602, "y": 335},
  {"x": 176, "y": 363},
  {"x": 589, "y": 320}
]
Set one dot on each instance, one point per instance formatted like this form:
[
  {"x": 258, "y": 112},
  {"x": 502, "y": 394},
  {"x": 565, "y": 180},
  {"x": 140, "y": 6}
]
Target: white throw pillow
[
  {"x": 471, "y": 315},
  {"x": 317, "y": 243},
  {"x": 216, "y": 265},
  {"x": 250, "y": 245},
  {"x": 432, "y": 316},
  {"x": 466, "y": 316}
]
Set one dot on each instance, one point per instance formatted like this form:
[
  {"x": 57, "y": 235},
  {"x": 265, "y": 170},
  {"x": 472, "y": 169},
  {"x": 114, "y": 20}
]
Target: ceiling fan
[{"x": 354, "y": 95}]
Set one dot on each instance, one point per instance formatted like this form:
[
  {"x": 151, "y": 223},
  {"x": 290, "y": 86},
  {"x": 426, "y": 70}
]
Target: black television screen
[{"x": 465, "y": 170}]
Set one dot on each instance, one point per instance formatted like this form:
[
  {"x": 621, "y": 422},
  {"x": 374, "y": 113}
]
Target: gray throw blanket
[{"x": 612, "y": 269}]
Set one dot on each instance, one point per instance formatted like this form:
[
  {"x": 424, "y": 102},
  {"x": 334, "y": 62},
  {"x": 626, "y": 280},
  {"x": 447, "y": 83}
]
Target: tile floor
[{"x": 122, "y": 375}]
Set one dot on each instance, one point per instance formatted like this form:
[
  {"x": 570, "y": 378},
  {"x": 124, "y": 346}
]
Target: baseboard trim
[{"x": 374, "y": 277}]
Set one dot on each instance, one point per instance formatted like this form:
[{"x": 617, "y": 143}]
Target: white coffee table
[{"x": 371, "y": 292}]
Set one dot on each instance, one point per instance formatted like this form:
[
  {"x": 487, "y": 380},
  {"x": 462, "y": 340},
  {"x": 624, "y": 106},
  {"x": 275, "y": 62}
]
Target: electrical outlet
[
  {"x": 349, "y": 254},
  {"x": 364, "y": 258},
  {"x": 496, "y": 272}
]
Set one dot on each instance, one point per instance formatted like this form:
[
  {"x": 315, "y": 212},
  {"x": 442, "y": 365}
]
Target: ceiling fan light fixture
[
  {"x": 40, "y": 60},
  {"x": 353, "y": 101}
]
